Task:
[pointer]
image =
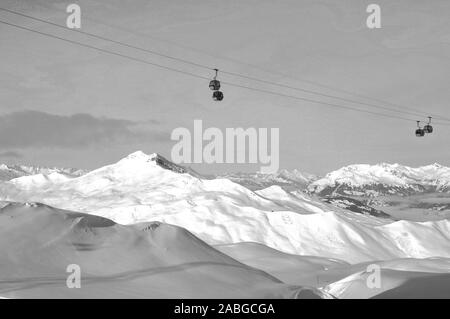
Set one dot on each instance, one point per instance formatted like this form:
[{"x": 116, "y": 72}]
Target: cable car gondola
[
  {"x": 428, "y": 128},
  {"x": 217, "y": 96},
  {"x": 214, "y": 85},
  {"x": 420, "y": 132}
]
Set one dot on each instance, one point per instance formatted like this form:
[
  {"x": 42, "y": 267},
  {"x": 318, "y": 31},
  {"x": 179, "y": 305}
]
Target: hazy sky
[{"x": 65, "y": 105}]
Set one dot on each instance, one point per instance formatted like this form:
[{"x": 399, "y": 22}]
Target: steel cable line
[
  {"x": 319, "y": 102},
  {"x": 256, "y": 67},
  {"x": 324, "y": 95},
  {"x": 203, "y": 77},
  {"x": 278, "y": 73},
  {"x": 414, "y": 113},
  {"x": 108, "y": 39},
  {"x": 269, "y": 71},
  {"x": 105, "y": 51}
]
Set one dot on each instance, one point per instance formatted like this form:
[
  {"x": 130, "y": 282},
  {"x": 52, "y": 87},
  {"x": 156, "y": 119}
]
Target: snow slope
[
  {"x": 343, "y": 280},
  {"x": 395, "y": 283},
  {"x": 363, "y": 179},
  {"x": 292, "y": 269},
  {"x": 142, "y": 188},
  {"x": 148, "y": 260}
]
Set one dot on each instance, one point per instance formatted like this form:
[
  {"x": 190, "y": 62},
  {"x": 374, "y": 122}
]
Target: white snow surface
[
  {"x": 145, "y": 260},
  {"x": 139, "y": 189}
]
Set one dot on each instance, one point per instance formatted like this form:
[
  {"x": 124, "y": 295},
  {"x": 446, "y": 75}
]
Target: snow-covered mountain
[
  {"x": 383, "y": 179},
  {"x": 307, "y": 240},
  {"x": 142, "y": 188},
  {"x": 147, "y": 260},
  {"x": 289, "y": 180},
  {"x": 8, "y": 172}
]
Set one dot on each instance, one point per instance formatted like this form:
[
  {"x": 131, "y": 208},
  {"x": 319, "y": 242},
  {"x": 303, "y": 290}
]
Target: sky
[{"x": 66, "y": 105}]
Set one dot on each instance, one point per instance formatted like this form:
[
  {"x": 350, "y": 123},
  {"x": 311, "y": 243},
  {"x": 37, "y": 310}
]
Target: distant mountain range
[
  {"x": 352, "y": 180},
  {"x": 383, "y": 179},
  {"x": 334, "y": 236},
  {"x": 8, "y": 172},
  {"x": 290, "y": 180},
  {"x": 143, "y": 188},
  {"x": 358, "y": 188}
]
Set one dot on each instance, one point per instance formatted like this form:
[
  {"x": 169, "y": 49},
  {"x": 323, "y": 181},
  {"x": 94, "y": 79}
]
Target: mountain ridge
[
  {"x": 8, "y": 172},
  {"x": 351, "y": 180},
  {"x": 383, "y": 179},
  {"x": 139, "y": 189}
]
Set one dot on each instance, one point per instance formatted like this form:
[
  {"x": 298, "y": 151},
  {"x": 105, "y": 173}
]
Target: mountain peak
[
  {"x": 159, "y": 160},
  {"x": 140, "y": 155}
]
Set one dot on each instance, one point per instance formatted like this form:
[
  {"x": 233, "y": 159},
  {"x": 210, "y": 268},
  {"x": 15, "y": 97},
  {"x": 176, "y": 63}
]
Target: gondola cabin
[
  {"x": 217, "y": 96},
  {"x": 428, "y": 128},
  {"x": 214, "y": 85},
  {"x": 420, "y": 132}
]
